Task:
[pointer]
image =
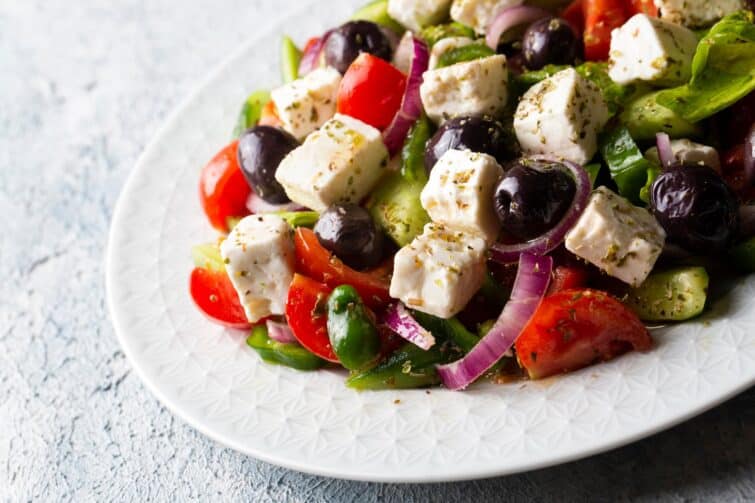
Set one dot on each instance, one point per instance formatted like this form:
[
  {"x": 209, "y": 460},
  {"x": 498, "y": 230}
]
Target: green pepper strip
[
  {"x": 289, "y": 355},
  {"x": 469, "y": 52},
  {"x": 408, "y": 367},
  {"x": 352, "y": 333}
]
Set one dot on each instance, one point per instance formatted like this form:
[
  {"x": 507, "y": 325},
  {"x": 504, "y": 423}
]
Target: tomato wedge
[
  {"x": 643, "y": 7},
  {"x": 601, "y": 17},
  {"x": 307, "y": 315},
  {"x": 215, "y": 296},
  {"x": 223, "y": 190},
  {"x": 371, "y": 91},
  {"x": 315, "y": 261},
  {"x": 573, "y": 13},
  {"x": 575, "y": 328},
  {"x": 568, "y": 278}
]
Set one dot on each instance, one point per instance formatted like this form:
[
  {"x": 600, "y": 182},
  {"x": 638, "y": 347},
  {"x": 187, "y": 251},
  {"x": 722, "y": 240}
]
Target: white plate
[{"x": 311, "y": 421}]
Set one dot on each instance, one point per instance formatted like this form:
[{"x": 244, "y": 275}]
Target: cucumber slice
[
  {"x": 674, "y": 295},
  {"x": 290, "y": 59},
  {"x": 207, "y": 256},
  {"x": 644, "y": 117},
  {"x": 377, "y": 12}
]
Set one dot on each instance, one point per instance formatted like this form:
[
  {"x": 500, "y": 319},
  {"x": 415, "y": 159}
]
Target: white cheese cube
[
  {"x": 307, "y": 103},
  {"x": 689, "y": 152},
  {"x": 416, "y": 14},
  {"x": 479, "y": 13},
  {"x": 620, "y": 238},
  {"x": 561, "y": 115},
  {"x": 444, "y": 45},
  {"x": 651, "y": 50},
  {"x": 476, "y": 87},
  {"x": 440, "y": 271},
  {"x": 460, "y": 191},
  {"x": 697, "y": 13},
  {"x": 259, "y": 260},
  {"x": 341, "y": 162}
]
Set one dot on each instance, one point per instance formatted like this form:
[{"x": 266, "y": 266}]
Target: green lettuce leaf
[{"x": 723, "y": 70}]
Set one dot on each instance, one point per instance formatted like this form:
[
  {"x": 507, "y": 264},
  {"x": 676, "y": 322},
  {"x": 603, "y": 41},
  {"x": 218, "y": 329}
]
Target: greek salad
[{"x": 443, "y": 191}]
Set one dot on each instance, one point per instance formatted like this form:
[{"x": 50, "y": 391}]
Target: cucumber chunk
[
  {"x": 644, "y": 117},
  {"x": 377, "y": 12},
  {"x": 207, "y": 256},
  {"x": 673, "y": 295}
]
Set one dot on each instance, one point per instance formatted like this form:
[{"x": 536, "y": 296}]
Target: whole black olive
[
  {"x": 349, "y": 40},
  {"x": 550, "y": 41},
  {"x": 261, "y": 149},
  {"x": 532, "y": 198},
  {"x": 696, "y": 208},
  {"x": 349, "y": 232},
  {"x": 484, "y": 135}
]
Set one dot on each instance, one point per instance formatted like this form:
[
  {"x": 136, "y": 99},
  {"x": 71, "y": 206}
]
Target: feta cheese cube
[
  {"x": 478, "y": 87},
  {"x": 444, "y": 45},
  {"x": 651, "y": 50},
  {"x": 689, "y": 152},
  {"x": 341, "y": 162},
  {"x": 259, "y": 260},
  {"x": 440, "y": 271},
  {"x": 307, "y": 103},
  {"x": 622, "y": 239},
  {"x": 561, "y": 115},
  {"x": 460, "y": 191},
  {"x": 416, "y": 14},
  {"x": 697, "y": 13},
  {"x": 479, "y": 13}
]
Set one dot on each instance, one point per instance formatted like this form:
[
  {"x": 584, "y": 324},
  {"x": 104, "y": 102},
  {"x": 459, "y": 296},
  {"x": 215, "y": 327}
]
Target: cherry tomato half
[
  {"x": 307, "y": 315},
  {"x": 371, "y": 91},
  {"x": 601, "y": 17},
  {"x": 575, "y": 328},
  {"x": 223, "y": 190},
  {"x": 215, "y": 296}
]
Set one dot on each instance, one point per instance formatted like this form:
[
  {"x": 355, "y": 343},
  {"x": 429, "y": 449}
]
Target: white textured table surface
[{"x": 83, "y": 86}]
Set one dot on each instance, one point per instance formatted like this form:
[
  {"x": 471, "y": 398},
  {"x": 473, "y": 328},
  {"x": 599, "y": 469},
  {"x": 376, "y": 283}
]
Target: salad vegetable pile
[{"x": 448, "y": 190}]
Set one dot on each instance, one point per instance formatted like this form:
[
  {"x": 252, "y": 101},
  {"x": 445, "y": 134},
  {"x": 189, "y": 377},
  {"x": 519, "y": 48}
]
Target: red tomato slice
[
  {"x": 215, "y": 296},
  {"x": 307, "y": 315},
  {"x": 568, "y": 278},
  {"x": 574, "y": 15},
  {"x": 315, "y": 261},
  {"x": 601, "y": 16},
  {"x": 643, "y": 7},
  {"x": 575, "y": 328},
  {"x": 371, "y": 91},
  {"x": 223, "y": 190},
  {"x": 269, "y": 116}
]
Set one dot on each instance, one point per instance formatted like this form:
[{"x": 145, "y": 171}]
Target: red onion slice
[
  {"x": 665, "y": 152},
  {"x": 280, "y": 332},
  {"x": 749, "y": 157},
  {"x": 398, "y": 319},
  {"x": 530, "y": 287},
  {"x": 510, "y": 18},
  {"x": 258, "y": 206},
  {"x": 508, "y": 254},
  {"x": 411, "y": 103},
  {"x": 310, "y": 60}
]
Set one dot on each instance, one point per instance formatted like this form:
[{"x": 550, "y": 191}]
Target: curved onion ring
[{"x": 510, "y": 18}]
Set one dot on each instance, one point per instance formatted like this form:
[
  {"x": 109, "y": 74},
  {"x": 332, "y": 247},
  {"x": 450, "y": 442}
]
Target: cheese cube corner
[
  {"x": 620, "y": 238},
  {"x": 459, "y": 192},
  {"x": 561, "y": 115},
  {"x": 439, "y": 272},
  {"x": 478, "y": 87},
  {"x": 307, "y": 103},
  {"x": 259, "y": 260},
  {"x": 651, "y": 50},
  {"x": 479, "y": 13},
  {"x": 697, "y": 13},
  {"x": 340, "y": 163}
]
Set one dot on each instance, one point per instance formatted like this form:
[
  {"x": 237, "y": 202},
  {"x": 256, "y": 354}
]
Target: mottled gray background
[{"x": 83, "y": 86}]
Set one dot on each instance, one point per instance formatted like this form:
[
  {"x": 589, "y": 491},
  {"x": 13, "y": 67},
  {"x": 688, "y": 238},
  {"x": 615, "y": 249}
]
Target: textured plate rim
[{"x": 176, "y": 409}]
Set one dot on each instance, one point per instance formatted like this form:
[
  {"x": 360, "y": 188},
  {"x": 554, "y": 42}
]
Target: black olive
[
  {"x": 484, "y": 135},
  {"x": 696, "y": 208},
  {"x": 550, "y": 41},
  {"x": 532, "y": 198},
  {"x": 261, "y": 149},
  {"x": 349, "y": 40},
  {"x": 349, "y": 232}
]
